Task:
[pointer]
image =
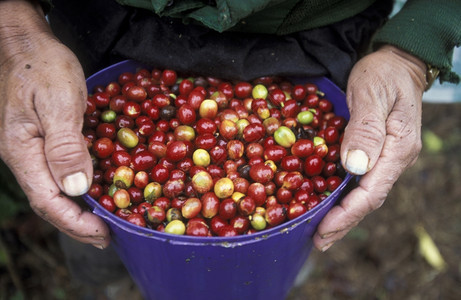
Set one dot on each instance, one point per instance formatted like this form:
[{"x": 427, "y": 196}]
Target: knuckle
[
  {"x": 368, "y": 131},
  {"x": 408, "y": 142},
  {"x": 63, "y": 147},
  {"x": 374, "y": 196},
  {"x": 374, "y": 204},
  {"x": 60, "y": 216}
]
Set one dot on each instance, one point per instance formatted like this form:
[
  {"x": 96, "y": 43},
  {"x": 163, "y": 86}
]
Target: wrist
[{"x": 423, "y": 73}]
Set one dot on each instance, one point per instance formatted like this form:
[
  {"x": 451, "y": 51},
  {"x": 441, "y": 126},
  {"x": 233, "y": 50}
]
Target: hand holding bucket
[{"x": 257, "y": 266}]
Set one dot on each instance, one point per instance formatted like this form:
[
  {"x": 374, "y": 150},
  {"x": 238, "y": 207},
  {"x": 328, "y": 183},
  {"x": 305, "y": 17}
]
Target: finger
[
  {"x": 352, "y": 209},
  {"x": 374, "y": 186},
  {"x": 366, "y": 130},
  {"x": 47, "y": 200}
]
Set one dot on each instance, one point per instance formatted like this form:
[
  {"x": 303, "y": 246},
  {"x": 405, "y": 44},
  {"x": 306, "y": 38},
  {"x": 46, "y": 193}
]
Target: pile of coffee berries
[{"x": 203, "y": 156}]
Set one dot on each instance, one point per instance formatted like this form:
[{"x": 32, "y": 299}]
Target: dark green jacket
[{"x": 261, "y": 16}]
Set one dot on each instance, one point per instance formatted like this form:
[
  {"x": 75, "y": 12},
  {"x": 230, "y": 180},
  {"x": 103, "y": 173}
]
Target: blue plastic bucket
[{"x": 257, "y": 266}]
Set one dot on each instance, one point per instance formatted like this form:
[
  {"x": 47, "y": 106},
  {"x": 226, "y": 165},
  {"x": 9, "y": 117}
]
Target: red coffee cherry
[{"x": 206, "y": 157}]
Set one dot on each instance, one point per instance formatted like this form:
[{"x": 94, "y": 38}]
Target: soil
[{"x": 379, "y": 259}]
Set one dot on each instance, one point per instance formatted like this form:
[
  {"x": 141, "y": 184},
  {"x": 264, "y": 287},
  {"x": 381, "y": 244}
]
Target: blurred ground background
[{"x": 379, "y": 259}]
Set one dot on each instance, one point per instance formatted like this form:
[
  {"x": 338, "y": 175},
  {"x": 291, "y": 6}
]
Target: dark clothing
[
  {"x": 257, "y": 16},
  {"x": 103, "y": 32}
]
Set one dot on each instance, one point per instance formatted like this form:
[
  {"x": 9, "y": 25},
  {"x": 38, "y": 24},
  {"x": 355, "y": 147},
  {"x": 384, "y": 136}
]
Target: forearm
[{"x": 22, "y": 28}]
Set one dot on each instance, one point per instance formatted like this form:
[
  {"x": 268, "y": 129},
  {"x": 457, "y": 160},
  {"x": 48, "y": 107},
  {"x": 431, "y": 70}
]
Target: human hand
[
  {"x": 383, "y": 136},
  {"x": 42, "y": 102}
]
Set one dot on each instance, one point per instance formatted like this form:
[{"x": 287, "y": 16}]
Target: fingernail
[
  {"x": 357, "y": 162},
  {"x": 75, "y": 184},
  {"x": 327, "y": 235},
  {"x": 327, "y": 246},
  {"x": 99, "y": 246}
]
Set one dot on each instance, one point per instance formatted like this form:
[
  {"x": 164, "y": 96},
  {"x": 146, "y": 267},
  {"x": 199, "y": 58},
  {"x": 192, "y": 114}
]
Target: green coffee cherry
[
  {"x": 259, "y": 92},
  {"x": 127, "y": 137},
  {"x": 175, "y": 227},
  {"x": 258, "y": 221},
  {"x": 305, "y": 117},
  {"x": 108, "y": 116},
  {"x": 284, "y": 136}
]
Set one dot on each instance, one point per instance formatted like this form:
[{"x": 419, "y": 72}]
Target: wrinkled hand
[
  {"x": 43, "y": 98},
  {"x": 383, "y": 137}
]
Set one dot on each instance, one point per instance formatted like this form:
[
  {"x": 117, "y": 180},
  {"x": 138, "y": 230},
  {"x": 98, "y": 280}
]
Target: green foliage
[
  {"x": 12, "y": 199},
  {"x": 59, "y": 293},
  {"x": 3, "y": 257},
  {"x": 432, "y": 142},
  {"x": 17, "y": 296}
]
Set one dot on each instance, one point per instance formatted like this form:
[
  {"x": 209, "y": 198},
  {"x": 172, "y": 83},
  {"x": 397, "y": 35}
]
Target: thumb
[
  {"x": 376, "y": 84},
  {"x": 365, "y": 133},
  {"x": 68, "y": 160},
  {"x": 65, "y": 149}
]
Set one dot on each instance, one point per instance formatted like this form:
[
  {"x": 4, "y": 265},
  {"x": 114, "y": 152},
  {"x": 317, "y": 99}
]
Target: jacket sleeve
[{"x": 427, "y": 29}]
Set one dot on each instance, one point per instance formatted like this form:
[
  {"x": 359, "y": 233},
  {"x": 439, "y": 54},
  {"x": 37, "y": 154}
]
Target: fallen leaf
[
  {"x": 429, "y": 250},
  {"x": 432, "y": 142}
]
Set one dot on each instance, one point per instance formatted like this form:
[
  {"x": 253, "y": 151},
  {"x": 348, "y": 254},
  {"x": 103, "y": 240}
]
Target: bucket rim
[{"x": 229, "y": 242}]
